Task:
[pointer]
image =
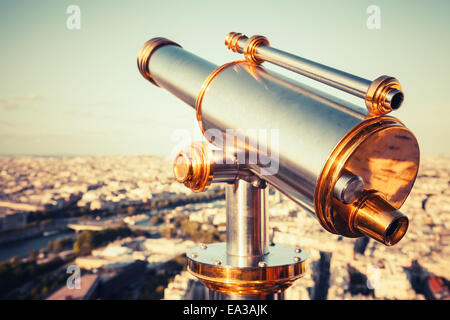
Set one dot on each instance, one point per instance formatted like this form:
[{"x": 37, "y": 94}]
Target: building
[
  {"x": 10, "y": 219},
  {"x": 89, "y": 289}
]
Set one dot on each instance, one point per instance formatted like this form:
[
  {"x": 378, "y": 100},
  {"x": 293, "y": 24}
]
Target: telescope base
[{"x": 246, "y": 276}]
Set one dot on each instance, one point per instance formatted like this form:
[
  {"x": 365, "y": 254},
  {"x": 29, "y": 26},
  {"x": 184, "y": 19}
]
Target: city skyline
[
  {"x": 79, "y": 92},
  {"x": 114, "y": 215}
]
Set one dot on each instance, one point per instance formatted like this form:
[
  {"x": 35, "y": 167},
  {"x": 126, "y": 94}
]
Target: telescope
[{"x": 351, "y": 166}]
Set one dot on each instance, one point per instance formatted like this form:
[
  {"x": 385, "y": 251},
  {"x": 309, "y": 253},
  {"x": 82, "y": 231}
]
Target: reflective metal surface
[
  {"x": 226, "y": 168},
  {"x": 194, "y": 167},
  {"x": 348, "y": 188},
  {"x": 198, "y": 166},
  {"x": 146, "y": 52},
  {"x": 257, "y": 49},
  {"x": 384, "y": 95},
  {"x": 283, "y": 266},
  {"x": 179, "y": 72},
  {"x": 353, "y": 169},
  {"x": 307, "y": 124},
  {"x": 376, "y": 218},
  {"x": 386, "y": 156},
  {"x": 247, "y": 224},
  {"x": 245, "y": 267},
  {"x": 338, "y": 79},
  {"x": 311, "y": 138}
]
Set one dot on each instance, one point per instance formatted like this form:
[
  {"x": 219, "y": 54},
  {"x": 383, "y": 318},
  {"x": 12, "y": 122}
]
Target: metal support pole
[
  {"x": 245, "y": 267},
  {"x": 247, "y": 226}
]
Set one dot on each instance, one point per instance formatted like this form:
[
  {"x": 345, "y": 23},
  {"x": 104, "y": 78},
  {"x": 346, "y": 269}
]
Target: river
[{"x": 22, "y": 248}]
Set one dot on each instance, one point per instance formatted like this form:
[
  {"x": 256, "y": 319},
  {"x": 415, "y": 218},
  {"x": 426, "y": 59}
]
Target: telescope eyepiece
[
  {"x": 384, "y": 95},
  {"x": 146, "y": 52},
  {"x": 394, "y": 98},
  {"x": 377, "y": 219}
]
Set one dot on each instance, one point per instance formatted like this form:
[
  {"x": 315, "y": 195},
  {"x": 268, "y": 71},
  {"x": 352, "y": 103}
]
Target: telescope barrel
[
  {"x": 321, "y": 152},
  {"x": 165, "y": 64},
  {"x": 302, "y": 112},
  {"x": 257, "y": 49}
]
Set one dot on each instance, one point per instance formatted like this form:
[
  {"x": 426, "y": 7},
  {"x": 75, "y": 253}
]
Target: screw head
[
  {"x": 203, "y": 246},
  {"x": 298, "y": 250},
  {"x": 262, "y": 264},
  {"x": 218, "y": 263},
  {"x": 348, "y": 188},
  {"x": 194, "y": 255},
  {"x": 297, "y": 259}
]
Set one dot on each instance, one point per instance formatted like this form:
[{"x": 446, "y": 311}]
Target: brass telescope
[{"x": 351, "y": 167}]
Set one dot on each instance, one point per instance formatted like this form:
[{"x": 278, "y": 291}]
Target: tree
[
  {"x": 84, "y": 243},
  {"x": 88, "y": 240},
  {"x": 179, "y": 221},
  {"x": 50, "y": 246},
  {"x": 58, "y": 245},
  {"x": 155, "y": 220},
  {"x": 43, "y": 251},
  {"x": 190, "y": 228},
  {"x": 33, "y": 255},
  {"x": 44, "y": 291},
  {"x": 168, "y": 232},
  {"x": 14, "y": 261}
]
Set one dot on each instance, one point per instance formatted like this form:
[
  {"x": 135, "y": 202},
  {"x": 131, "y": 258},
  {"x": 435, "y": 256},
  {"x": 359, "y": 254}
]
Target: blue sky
[{"x": 79, "y": 91}]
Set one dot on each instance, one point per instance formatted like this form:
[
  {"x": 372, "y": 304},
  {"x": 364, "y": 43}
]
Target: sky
[{"x": 79, "y": 92}]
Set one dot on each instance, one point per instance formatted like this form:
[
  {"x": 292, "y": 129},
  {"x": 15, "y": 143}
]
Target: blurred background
[{"x": 86, "y": 146}]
